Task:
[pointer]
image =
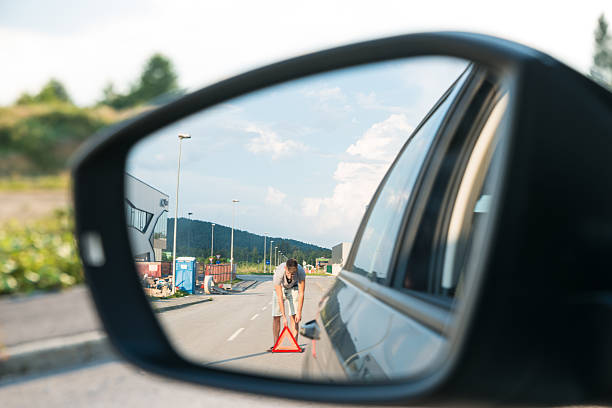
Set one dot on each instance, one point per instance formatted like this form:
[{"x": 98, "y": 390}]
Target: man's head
[{"x": 292, "y": 266}]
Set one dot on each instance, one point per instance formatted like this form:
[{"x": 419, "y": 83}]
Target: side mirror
[
  {"x": 310, "y": 330},
  {"x": 479, "y": 266}
]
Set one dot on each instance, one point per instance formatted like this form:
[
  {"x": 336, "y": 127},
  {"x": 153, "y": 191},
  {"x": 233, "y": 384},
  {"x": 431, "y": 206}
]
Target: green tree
[
  {"x": 601, "y": 70},
  {"x": 157, "y": 78},
  {"x": 25, "y": 99},
  {"x": 52, "y": 92}
]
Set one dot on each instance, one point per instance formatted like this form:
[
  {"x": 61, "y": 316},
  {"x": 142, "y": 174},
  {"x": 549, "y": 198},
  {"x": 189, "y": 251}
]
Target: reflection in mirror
[{"x": 259, "y": 199}]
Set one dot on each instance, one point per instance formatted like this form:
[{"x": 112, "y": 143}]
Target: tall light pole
[
  {"x": 234, "y": 201},
  {"x": 181, "y": 136},
  {"x": 275, "y": 256},
  {"x": 189, "y": 214},
  {"x": 271, "y": 256},
  {"x": 212, "y": 239},
  {"x": 264, "y": 259}
]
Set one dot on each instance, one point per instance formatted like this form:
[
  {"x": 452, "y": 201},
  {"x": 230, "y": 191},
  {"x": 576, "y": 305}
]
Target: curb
[
  {"x": 179, "y": 306},
  {"x": 248, "y": 286},
  {"x": 57, "y": 353}
]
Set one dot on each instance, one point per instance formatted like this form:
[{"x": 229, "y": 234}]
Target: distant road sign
[{"x": 267, "y": 262}]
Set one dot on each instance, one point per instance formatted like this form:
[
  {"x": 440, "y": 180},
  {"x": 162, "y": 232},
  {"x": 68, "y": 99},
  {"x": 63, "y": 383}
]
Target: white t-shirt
[{"x": 280, "y": 278}]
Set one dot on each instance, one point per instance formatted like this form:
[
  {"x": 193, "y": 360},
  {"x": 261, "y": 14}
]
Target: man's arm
[
  {"x": 281, "y": 302},
  {"x": 301, "y": 288}
]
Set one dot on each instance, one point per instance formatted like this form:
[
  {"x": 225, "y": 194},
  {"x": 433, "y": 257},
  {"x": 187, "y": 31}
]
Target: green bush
[
  {"x": 39, "y": 138},
  {"x": 40, "y": 256},
  {"x": 49, "y": 138}
]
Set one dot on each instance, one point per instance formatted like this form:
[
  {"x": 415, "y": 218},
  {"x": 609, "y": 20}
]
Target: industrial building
[
  {"x": 339, "y": 256},
  {"x": 146, "y": 210}
]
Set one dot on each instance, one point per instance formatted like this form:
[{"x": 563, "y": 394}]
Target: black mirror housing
[{"x": 536, "y": 332}]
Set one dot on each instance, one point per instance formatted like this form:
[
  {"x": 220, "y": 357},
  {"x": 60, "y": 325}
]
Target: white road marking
[
  {"x": 233, "y": 336},
  {"x": 264, "y": 308},
  {"x": 255, "y": 317}
]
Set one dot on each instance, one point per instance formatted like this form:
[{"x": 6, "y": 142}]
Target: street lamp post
[
  {"x": 271, "y": 256},
  {"x": 275, "y": 256},
  {"x": 232, "y": 243},
  {"x": 181, "y": 136},
  {"x": 189, "y": 232},
  {"x": 264, "y": 258},
  {"x": 212, "y": 239}
]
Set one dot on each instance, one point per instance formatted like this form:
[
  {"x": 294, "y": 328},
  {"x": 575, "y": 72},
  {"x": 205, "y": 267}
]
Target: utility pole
[{"x": 271, "y": 256}]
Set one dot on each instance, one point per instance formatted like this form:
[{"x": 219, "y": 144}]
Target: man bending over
[{"x": 289, "y": 282}]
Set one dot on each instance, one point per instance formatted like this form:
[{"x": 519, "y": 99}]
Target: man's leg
[
  {"x": 294, "y": 301},
  {"x": 275, "y": 328},
  {"x": 296, "y": 326}
]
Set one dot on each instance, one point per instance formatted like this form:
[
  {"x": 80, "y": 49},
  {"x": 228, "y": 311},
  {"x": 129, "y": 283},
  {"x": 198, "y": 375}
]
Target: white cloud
[
  {"x": 370, "y": 102},
  {"x": 383, "y": 140},
  {"x": 357, "y": 180},
  {"x": 269, "y": 142},
  {"x": 326, "y": 93},
  {"x": 356, "y": 183},
  {"x": 274, "y": 196},
  {"x": 328, "y": 99},
  {"x": 311, "y": 206}
]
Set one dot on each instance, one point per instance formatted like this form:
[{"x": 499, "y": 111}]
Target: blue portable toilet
[{"x": 186, "y": 273}]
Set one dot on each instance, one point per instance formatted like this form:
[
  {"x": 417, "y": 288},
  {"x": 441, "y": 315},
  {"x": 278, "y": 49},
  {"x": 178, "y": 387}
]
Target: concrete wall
[{"x": 340, "y": 253}]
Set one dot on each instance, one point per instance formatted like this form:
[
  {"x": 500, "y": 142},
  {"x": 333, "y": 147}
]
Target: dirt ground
[{"x": 25, "y": 206}]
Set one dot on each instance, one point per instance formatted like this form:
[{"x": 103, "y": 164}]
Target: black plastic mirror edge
[{"x": 98, "y": 173}]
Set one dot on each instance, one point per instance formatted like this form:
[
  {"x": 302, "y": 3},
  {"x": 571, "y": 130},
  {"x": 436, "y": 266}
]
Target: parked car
[
  {"x": 374, "y": 306},
  {"x": 480, "y": 272}
]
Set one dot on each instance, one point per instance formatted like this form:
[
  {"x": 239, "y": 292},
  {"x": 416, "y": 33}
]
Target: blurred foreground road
[{"x": 114, "y": 383}]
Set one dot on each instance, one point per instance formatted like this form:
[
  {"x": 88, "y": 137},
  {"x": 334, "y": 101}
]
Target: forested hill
[{"x": 194, "y": 238}]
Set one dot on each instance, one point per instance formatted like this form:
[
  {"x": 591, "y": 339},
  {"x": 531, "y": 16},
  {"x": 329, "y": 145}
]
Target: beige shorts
[{"x": 290, "y": 296}]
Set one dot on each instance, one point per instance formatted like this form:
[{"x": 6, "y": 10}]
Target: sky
[
  {"x": 280, "y": 168},
  {"x": 304, "y": 158},
  {"x": 86, "y": 44}
]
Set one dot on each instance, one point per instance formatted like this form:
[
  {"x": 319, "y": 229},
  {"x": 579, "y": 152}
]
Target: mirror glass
[{"x": 262, "y": 196}]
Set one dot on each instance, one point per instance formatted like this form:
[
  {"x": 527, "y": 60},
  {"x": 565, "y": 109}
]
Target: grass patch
[
  {"x": 246, "y": 268},
  {"x": 30, "y": 183},
  {"x": 253, "y": 273}
]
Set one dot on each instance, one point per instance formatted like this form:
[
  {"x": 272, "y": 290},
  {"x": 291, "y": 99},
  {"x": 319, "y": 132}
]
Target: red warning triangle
[{"x": 286, "y": 343}]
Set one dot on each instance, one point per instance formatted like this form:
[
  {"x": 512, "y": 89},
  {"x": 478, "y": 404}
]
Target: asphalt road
[
  {"x": 234, "y": 331},
  {"x": 27, "y": 318},
  {"x": 205, "y": 332}
]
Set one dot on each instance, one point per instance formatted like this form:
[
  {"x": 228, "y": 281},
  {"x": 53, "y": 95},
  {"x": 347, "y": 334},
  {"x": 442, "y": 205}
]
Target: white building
[
  {"x": 146, "y": 209},
  {"x": 339, "y": 256}
]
